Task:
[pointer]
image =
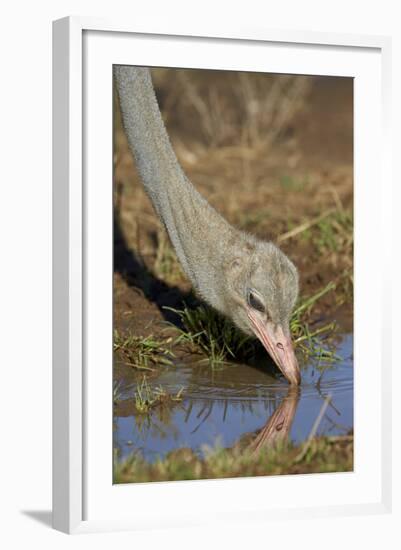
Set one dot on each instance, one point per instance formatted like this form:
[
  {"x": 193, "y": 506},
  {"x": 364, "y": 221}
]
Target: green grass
[
  {"x": 307, "y": 340},
  {"x": 117, "y": 391},
  {"x": 146, "y": 398},
  {"x": 321, "y": 454},
  {"x": 292, "y": 184},
  {"x": 250, "y": 219},
  {"x": 329, "y": 234},
  {"x": 334, "y": 233},
  {"x": 166, "y": 266},
  {"x": 142, "y": 353},
  {"x": 206, "y": 331}
]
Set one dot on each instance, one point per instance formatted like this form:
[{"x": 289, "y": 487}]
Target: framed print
[{"x": 214, "y": 280}]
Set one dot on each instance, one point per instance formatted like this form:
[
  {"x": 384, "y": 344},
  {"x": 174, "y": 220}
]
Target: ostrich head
[{"x": 261, "y": 291}]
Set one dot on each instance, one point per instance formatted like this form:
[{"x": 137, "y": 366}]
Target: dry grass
[
  {"x": 235, "y": 109},
  {"x": 323, "y": 454}
]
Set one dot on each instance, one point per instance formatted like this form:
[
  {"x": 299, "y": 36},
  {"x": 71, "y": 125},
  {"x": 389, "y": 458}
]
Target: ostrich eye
[{"x": 255, "y": 302}]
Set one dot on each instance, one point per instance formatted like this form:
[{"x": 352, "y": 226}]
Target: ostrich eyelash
[{"x": 255, "y": 303}]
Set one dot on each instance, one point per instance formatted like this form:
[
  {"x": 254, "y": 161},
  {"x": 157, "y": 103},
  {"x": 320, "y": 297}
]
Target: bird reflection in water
[
  {"x": 277, "y": 429},
  {"x": 196, "y": 422}
]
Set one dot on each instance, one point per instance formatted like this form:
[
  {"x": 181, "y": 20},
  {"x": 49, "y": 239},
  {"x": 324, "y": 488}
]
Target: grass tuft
[
  {"x": 334, "y": 234},
  {"x": 208, "y": 332},
  {"x": 146, "y": 398},
  {"x": 143, "y": 353},
  {"x": 117, "y": 392},
  {"x": 310, "y": 341}
]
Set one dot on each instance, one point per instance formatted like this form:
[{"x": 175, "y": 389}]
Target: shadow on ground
[
  {"x": 137, "y": 275},
  {"x": 41, "y": 516}
]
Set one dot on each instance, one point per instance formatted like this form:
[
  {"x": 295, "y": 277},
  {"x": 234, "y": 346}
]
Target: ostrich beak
[{"x": 278, "y": 344}]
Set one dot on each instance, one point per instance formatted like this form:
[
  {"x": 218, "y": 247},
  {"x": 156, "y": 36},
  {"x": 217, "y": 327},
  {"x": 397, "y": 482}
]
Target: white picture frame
[{"x": 83, "y": 495}]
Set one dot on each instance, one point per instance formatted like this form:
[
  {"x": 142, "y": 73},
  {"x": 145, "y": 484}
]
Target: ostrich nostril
[{"x": 280, "y": 346}]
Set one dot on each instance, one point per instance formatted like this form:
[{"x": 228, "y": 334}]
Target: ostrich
[{"x": 246, "y": 279}]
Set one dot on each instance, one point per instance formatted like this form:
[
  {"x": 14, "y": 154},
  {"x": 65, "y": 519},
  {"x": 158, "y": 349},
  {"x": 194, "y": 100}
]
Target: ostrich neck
[{"x": 201, "y": 238}]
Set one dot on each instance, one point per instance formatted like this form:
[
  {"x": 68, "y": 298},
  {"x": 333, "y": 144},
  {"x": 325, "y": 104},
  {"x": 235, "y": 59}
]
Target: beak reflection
[{"x": 277, "y": 429}]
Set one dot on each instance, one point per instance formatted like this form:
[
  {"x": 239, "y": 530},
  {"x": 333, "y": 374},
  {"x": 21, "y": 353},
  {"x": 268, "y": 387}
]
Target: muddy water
[{"x": 222, "y": 405}]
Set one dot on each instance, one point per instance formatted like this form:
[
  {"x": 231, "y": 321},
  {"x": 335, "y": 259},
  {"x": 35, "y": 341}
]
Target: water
[{"x": 220, "y": 406}]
